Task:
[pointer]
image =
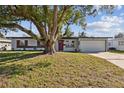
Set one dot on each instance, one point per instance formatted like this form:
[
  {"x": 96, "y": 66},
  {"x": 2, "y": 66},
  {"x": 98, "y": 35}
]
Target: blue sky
[{"x": 102, "y": 25}]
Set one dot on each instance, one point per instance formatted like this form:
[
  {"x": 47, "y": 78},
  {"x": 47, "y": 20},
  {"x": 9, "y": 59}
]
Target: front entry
[{"x": 60, "y": 45}]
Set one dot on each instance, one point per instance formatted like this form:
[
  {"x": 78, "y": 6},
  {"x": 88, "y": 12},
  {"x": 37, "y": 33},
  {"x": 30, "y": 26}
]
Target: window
[
  {"x": 69, "y": 44},
  {"x": 38, "y": 43},
  {"x": 22, "y": 43},
  {"x": 120, "y": 42},
  {"x": 18, "y": 43},
  {"x": 26, "y": 42}
]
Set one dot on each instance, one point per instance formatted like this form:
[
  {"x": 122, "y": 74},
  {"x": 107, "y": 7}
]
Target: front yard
[{"x": 32, "y": 69}]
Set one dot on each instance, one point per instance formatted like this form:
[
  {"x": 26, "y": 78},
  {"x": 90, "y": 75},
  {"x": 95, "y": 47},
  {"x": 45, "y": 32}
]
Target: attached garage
[{"x": 92, "y": 44}]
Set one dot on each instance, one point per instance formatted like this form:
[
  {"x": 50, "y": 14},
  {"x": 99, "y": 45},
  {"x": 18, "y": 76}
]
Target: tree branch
[
  {"x": 17, "y": 13},
  {"x": 61, "y": 19},
  {"x": 15, "y": 25},
  {"x": 46, "y": 16},
  {"x": 63, "y": 13},
  {"x": 55, "y": 19}
]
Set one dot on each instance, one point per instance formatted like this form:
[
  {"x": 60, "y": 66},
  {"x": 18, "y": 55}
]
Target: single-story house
[
  {"x": 5, "y": 44},
  {"x": 81, "y": 44},
  {"x": 116, "y": 43}
]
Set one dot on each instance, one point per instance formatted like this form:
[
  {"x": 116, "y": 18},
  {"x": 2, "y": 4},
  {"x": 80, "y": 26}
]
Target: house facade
[
  {"x": 5, "y": 44},
  {"x": 70, "y": 44}
]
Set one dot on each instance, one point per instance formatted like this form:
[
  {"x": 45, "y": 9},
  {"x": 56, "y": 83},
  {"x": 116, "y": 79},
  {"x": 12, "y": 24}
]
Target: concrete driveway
[{"x": 117, "y": 59}]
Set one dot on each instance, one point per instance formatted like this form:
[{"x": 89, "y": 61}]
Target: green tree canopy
[{"x": 49, "y": 20}]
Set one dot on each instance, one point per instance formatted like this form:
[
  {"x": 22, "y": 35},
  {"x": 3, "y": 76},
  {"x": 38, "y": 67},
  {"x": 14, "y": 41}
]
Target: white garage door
[{"x": 92, "y": 46}]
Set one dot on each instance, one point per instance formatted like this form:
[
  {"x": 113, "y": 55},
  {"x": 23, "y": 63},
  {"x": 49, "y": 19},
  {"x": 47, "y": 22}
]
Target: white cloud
[
  {"x": 106, "y": 24},
  {"x": 112, "y": 19},
  {"x": 118, "y": 30},
  {"x": 99, "y": 25}
]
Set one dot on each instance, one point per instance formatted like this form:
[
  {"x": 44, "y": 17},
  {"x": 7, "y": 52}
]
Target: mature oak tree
[{"x": 49, "y": 20}]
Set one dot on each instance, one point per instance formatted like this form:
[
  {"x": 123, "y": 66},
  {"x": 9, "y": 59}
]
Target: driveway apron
[{"x": 117, "y": 59}]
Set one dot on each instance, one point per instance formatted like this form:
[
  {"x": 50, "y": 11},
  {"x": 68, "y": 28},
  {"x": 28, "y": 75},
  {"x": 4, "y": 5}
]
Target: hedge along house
[
  {"x": 87, "y": 44},
  {"x": 5, "y": 44}
]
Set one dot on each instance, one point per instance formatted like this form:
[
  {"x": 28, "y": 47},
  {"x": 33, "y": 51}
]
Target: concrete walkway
[{"x": 117, "y": 59}]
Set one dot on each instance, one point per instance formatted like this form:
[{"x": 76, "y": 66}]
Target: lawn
[
  {"x": 32, "y": 69},
  {"x": 117, "y": 51}
]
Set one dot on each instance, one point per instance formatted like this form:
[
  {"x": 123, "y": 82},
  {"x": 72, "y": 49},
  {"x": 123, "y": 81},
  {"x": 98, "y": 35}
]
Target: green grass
[
  {"x": 32, "y": 69},
  {"x": 117, "y": 51}
]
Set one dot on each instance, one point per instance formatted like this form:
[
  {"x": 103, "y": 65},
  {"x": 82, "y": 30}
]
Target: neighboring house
[
  {"x": 25, "y": 43},
  {"x": 5, "y": 44},
  {"x": 81, "y": 44},
  {"x": 117, "y": 43}
]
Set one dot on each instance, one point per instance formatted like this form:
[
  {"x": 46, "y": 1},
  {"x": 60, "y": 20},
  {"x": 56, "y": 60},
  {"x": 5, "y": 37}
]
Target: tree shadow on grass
[
  {"x": 11, "y": 57},
  {"x": 19, "y": 69}
]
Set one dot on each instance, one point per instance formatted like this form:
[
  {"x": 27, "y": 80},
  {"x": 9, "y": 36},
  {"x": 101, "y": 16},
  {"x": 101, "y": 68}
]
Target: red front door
[{"x": 60, "y": 45}]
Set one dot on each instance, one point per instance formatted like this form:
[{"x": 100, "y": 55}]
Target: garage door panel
[{"x": 92, "y": 46}]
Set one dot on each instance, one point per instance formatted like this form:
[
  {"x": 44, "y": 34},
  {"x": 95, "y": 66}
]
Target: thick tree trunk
[
  {"x": 50, "y": 40},
  {"x": 50, "y": 48}
]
